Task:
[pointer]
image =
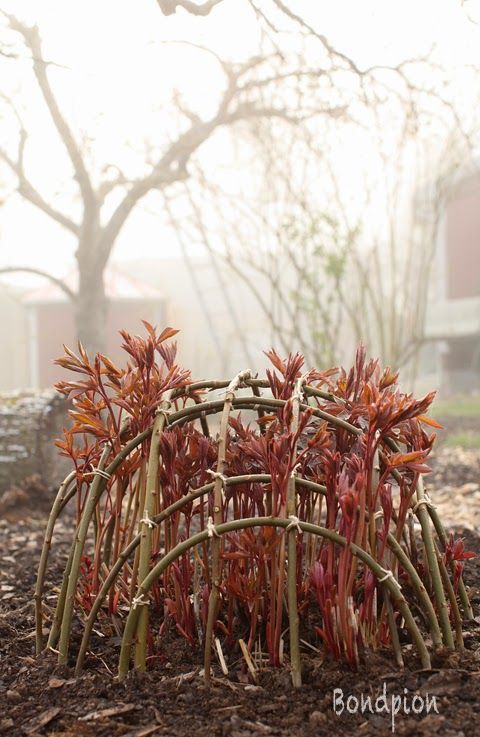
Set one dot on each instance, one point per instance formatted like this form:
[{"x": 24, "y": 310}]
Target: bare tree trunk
[
  {"x": 90, "y": 310},
  {"x": 91, "y": 304}
]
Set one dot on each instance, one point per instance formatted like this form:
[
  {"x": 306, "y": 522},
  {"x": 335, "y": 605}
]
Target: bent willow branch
[{"x": 297, "y": 507}]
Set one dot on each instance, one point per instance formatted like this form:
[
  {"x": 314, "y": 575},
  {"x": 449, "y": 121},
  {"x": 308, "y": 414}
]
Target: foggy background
[{"x": 256, "y": 173}]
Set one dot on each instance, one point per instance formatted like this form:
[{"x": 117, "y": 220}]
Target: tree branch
[
  {"x": 28, "y": 191},
  {"x": 39, "y": 272},
  {"x": 32, "y": 40},
  {"x": 169, "y": 7},
  {"x": 323, "y": 39},
  {"x": 171, "y": 167}
]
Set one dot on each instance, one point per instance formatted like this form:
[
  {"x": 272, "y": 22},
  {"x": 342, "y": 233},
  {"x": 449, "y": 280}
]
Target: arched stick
[
  {"x": 189, "y": 413},
  {"x": 95, "y": 491},
  {"x": 130, "y": 549},
  {"x": 64, "y": 495},
  {"x": 395, "y": 547},
  {"x": 380, "y": 573},
  {"x": 214, "y": 596}
]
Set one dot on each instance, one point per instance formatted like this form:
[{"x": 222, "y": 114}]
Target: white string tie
[
  {"x": 299, "y": 394},
  {"x": 388, "y": 574},
  {"x": 238, "y": 380},
  {"x": 164, "y": 412},
  {"x": 294, "y": 524},
  {"x": 99, "y": 472},
  {"x": 211, "y": 529},
  {"x": 148, "y": 521},
  {"x": 294, "y": 470},
  {"x": 217, "y": 475},
  {"x": 427, "y": 501},
  {"x": 139, "y": 601}
]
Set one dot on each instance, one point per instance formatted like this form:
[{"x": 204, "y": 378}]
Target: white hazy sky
[{"x": 118, "y": 74}]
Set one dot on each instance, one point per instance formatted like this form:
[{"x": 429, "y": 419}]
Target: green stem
[
  {"x": 63, "y": 497},
  {"x": 95, "y": 491},
  {"x": 295, "y": 662},
  {"x": 442, "y": 536},
  {"x": 393, "y": 631},
  {"x": 146, "y": 524},
  {"x": 216, "y": 549},
  {"x": 189, "y": 413},
  {"x": 433, "y": 566},
  {"x": 395, "y": 547},
  {"x": 130, "y": 549},
  {"x": 453, "y": 600},
  {"x": 420, "y": 589},
  {"x": 254, "y": 403},
  {"x": 388, "y": 581},
  {"x": 58, "y": 616}
]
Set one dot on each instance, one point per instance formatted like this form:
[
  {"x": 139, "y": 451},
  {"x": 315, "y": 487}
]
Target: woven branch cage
[{"x": 435, "y": 601}]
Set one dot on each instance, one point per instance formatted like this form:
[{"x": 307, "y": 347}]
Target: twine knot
[
  {"x": 427, "y": 501},
  {"x": 294, "y": 524},
  {"x": 238, "y": 380},
  {"x": 217, "y": 475},
  {"x": 98, "y": 472},
  {"x": 146, "y": 519},
  {"x": 298, "y": 393},
  {"x": 388, "y": 574},
  {"x": 139, "y": 601},
  {"x": 211, "y": 529}
]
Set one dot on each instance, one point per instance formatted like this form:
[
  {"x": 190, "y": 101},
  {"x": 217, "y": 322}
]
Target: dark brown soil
[{"x": 37, "y": 698}]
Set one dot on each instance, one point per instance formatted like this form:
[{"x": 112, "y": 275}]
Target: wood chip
[
  {"x": 105, "y": 713},
  {"x": 28, "y": 660},
  {"x": 227, "y": 708},
  {"x": 256, "y": 727},
  {"x": 143, "y": 731},
  {"x": 56, "y": 682},
  {"x": 221, "y": 658},
  {"x": 248, "y": 659},
  {"x": 41, "y": 720}
]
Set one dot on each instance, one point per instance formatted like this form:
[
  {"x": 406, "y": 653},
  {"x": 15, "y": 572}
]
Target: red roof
[{"x": 118, "y": 286}]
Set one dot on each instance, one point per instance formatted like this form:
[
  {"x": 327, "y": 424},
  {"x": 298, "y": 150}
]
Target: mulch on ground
[{"x": 38, "y": 698}]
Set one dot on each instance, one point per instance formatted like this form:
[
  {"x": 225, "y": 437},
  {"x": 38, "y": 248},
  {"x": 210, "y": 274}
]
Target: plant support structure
[{"x": 293, "y": 517}]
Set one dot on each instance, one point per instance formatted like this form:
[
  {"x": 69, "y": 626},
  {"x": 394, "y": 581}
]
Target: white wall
[{"x": 13, "y": 341}]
